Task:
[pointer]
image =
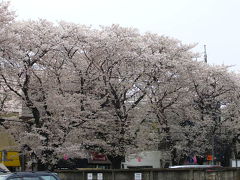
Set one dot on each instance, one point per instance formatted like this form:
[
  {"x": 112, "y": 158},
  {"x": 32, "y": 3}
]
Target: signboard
[
  {"x": 99, "y": 176},
  {"x": 138, "y": 176},
  {"x": 89, "y": 176},
  {"x": 11, "y": 159},
  {"x": 98, "y": 157},
  {"x": 209, "y": 157},
  {"x": 234, "y": 163}
]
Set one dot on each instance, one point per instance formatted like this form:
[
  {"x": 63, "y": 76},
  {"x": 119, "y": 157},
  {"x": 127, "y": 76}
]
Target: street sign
[
  {"x": 99, "y": 176},
  {"x": 89, "y": 176},
  {"x": 138, "y": 176}
]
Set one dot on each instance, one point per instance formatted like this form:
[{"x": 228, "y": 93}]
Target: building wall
[
  {"x": 9, "y": 150},
  {"x": 153, "y": 159},
  {"x": 7, "y": 142}
]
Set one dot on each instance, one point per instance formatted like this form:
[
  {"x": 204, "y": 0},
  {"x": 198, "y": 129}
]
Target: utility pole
[
  {"x": 213, "y": 134},
  {"x": 205, "y": 54}
]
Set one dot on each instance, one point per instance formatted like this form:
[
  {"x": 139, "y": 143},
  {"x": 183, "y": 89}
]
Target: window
[
  {"x": 15, "y": 178},
  {"x": 3, "y": 177},
  {"x": 48, "y": 177},
  {"x": 30, "y": 178}
]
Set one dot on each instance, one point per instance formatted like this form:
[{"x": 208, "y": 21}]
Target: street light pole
[{"x": 213, "y": 153}]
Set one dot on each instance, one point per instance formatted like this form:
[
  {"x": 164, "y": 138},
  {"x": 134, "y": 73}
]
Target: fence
[{"x": 152, "y": 174}]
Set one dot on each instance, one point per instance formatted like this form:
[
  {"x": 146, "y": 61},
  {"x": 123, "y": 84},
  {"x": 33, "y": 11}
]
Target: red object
[
  {"x": 98, "y": 157},
  {"x": 65, "y": 157},
  {"x": 139, "y": 159},
  {"x": 209, "y": 157}
]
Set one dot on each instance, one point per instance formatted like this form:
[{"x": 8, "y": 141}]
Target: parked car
[
  {"x": 195, "y": 166},
  {"x": 29, "y": 176},
  {"x": 207, "y": 168}
]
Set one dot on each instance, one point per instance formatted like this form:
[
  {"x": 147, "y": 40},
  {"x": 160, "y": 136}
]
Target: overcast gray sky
[{"x": 215, "y": 23}]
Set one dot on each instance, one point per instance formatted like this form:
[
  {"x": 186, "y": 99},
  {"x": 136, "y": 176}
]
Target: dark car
[{"x": 29, "y": 176}]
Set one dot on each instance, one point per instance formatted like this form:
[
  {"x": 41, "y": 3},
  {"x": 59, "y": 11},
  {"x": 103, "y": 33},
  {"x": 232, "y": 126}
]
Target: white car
[{"x": 195, "y": 166}]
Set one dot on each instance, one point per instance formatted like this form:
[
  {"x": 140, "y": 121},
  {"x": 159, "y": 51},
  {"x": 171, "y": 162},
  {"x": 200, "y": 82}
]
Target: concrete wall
[
  {"x": 7, "y": 141},
  {"x": 154, "y": 174}
]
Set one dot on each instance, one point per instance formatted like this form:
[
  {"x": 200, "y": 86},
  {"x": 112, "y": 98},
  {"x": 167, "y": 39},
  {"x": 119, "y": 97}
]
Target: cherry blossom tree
[
  {"x": 211, "y": 92},
  {"x": 6, "y": 18},
  {"x": 32, "y": 43},
  {"x": 110, "y": 90}
]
